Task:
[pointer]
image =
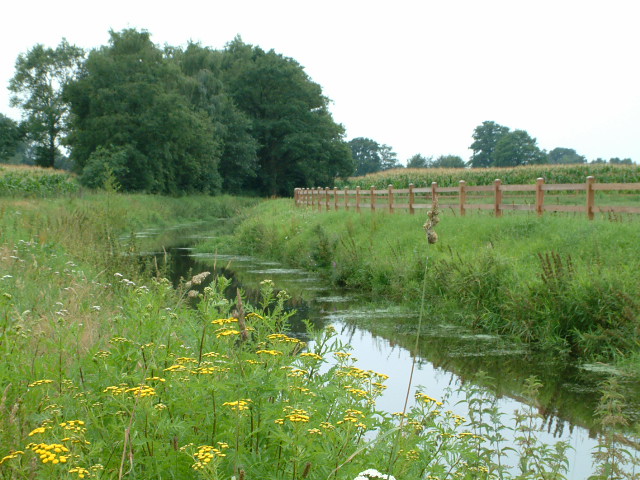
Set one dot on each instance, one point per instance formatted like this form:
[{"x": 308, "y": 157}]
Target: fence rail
[{"x": 569, "y": 197}]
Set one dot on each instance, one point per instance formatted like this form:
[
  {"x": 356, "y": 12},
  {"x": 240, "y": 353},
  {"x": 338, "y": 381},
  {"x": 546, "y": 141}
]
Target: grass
[
  {"x": 106, "y": 375},
  {"x": 23, "y": 181},
  {"x": 558, "y": 281}
]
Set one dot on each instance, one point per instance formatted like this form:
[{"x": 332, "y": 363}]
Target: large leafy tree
[
  {"x": 299, "y": 142},
  {"x": 131, "y": 117},
  {"x": 37, "y": 86},
  {"x": 10, "y": 136},
  {"x": 419, "y": 161},
  {"x": 448, "y": 161},
  {"x": 366, "y": 155},
  {"x": 485, "y": 139},
  {"x": 206, "y": 92},
  {"x": 517, "y": 148},
  {"x": 388, "y": 158},
  {"x": 565, "y": 155}
]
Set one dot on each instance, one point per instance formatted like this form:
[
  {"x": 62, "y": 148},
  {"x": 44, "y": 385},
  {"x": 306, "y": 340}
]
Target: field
[
  {"x": 450, "y": 177},
  {"x": 22, "y": 181},
  {"x": 110, "y": 372}
]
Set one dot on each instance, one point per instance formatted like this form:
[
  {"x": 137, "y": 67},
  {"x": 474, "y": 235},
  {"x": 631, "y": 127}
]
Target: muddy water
[{"x": 448, "y": 357}]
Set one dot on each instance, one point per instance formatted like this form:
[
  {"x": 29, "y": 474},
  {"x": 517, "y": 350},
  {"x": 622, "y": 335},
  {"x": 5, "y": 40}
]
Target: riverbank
[
  {"x": 557, "y": 282},
  {"x": 109, "y": 375}
]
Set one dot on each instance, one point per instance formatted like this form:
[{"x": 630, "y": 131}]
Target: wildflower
[
  {"x": 12, "y": 454},
  {"x": 141, "y": 391},
  {"x": 206, "y": 453},
  {"x": 253, "y": 314},
  {"x": 40, "y": 382},
  {"x": 35, "y": 431},
  {"x": 298, "y": 415},
  {"x": 315, "y": 356},
  {"x": 160, "y": 406},
  {"x": 224, "y": 321},
  {"x": 373, "y": 473},
  {"x": 342, "y": 354},
  {"x": 82, "y": 472},
  {"x": 270, "y": 352},
  {"x": 50, "y": 453},
  {"x": 175, "y": 368},
  {"x": 427, "y": 399},
  {"x": 238, "y": 405},
  {"x": 227, "y": 332},
  {"x": 314, "y": 431}
]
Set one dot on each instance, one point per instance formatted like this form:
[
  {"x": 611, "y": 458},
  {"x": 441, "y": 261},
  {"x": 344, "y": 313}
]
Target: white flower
[{"x": 373, "y": 473}]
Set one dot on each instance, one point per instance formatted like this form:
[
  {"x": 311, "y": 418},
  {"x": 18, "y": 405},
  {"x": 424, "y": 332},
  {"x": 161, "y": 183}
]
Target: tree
[
  {"x": 366, "y": 155},
  {"x": 485, "y": 139},
  {"x": 565, "y": 156},
  {"x": 448, "y": 161},
  {"x": 388, "y": 158},
  {"x": 206, "y": 92},
  {"x": 10, "y": 137},
  {"x": 418, "y": 161},
  {"x": 37, "y": 85},
  {"x": 129, "y": 112},
  {"x": 299, "y": 143},
  {"x": 621, "y": 161},
  {"x": 517, "y": 148}
]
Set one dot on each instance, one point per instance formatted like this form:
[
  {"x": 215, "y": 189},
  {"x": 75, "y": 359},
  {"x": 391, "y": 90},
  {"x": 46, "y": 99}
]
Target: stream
[{"x": 447, "y": 357}]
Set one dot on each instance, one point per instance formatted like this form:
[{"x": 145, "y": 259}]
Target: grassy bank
[
  {"x": 109, "y": 376},
  {"x": 556, "y": 281}
]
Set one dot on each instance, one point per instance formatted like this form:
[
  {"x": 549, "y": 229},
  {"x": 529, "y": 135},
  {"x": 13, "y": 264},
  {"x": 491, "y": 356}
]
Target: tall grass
[
  {"x": 105, "y": 376},
  {"x": 557, "y": 281},
  {"x": 19, "y": 181}
]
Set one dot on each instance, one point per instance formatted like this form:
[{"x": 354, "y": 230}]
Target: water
[{"x": 448, "y": 356}]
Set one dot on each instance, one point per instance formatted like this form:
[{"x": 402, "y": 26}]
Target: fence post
[
  {"x": 434, "y": 192},
  {"x": 463, "y": 196},
  {"x": 539, "y": 196},
  {"x": 307, "y": 197},
  {"x": 358, "y": 198},
  {"x": 346, "y": 198},
  {"x": 335, "y": 198},
  {"x": 591, "y": 196},
  {"x": 326, "y": 198},
  {"x": 498, "y": 202},
  {"x": 411, "y": 199},
  {"x": 373, "y": 198},
  {"x": 390, "y": 198},
  {"x": 319, "y": 189}
]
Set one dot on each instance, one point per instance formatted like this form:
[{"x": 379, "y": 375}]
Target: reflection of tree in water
[{"x": 568, "y": 397}]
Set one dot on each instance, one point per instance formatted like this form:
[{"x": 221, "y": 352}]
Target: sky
[{"x": 417, "y": 75}]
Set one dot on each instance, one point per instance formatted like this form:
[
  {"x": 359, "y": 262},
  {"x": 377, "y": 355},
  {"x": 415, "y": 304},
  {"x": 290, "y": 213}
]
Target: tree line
[
  {"x": 175, "y": 120},
  {"x": 493, "y": 145},
  {"x": 178, "y": 120}
]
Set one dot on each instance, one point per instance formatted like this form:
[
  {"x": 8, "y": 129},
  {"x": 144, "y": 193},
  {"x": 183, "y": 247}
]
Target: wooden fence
[{"x": 566, "y": 197}]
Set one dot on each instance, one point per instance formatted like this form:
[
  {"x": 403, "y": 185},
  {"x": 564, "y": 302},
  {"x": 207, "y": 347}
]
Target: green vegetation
[
  {"x": 114, "y": 374},
  {"x": 18, "y": 181},
  {"x": 172, "y": 120},
  {"x": 450, "y": 177},
  {"x": 557, "y": 281}
]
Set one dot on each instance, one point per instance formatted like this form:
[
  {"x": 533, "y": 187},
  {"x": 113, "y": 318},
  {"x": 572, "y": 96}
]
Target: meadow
[
  {"x": 109, "y": 372},
  {"x": 558, "y": 282}
]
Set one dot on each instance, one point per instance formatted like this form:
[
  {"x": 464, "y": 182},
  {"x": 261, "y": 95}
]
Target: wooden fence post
[
  {"x": 346, "y": 198},
  {"x": 539, "y": 196},
  {"x": 358, "y": 198},
  {"x": 411, "y": 199},
  {"x": 463, "y": 196},
  {"x": 373, "y": 198},
  {"x": 390, "y": 198},
  {"x": 326, "y": 198},
  {"x": 591, "y": 196},
  {"x": 434, "y": 192},
  {"x": 319, "y": 189},
  {"x": 307, "y": 196},
  {"x": 335, "y": 198},
  {"x": 498, "y": 198}
]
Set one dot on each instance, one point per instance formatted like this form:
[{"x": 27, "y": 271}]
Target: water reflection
[{"x": 447, "y": 357}]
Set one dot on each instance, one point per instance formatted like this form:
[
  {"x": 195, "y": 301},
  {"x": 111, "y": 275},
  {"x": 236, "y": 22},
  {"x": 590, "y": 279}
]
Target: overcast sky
[{"x": 418, "y": 76}]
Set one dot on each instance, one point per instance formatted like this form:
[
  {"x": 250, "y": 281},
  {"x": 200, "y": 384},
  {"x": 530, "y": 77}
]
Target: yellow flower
[{"x": 238, "y": 405}]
